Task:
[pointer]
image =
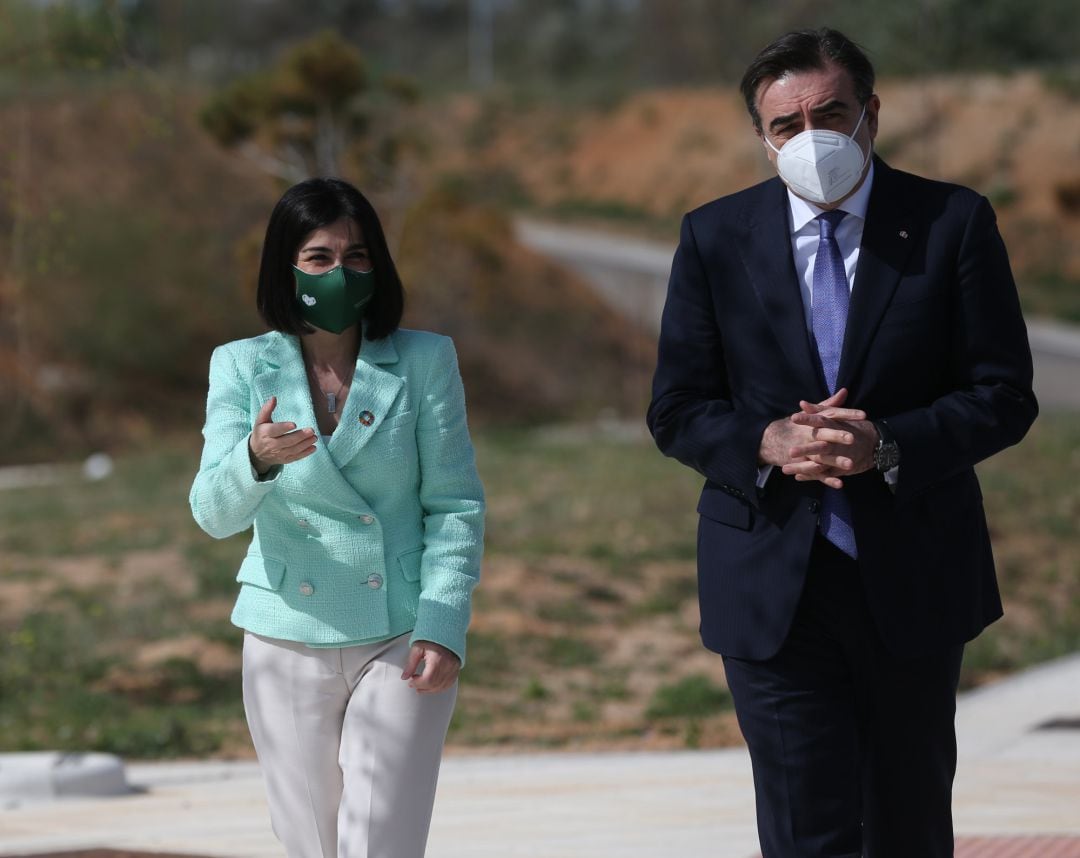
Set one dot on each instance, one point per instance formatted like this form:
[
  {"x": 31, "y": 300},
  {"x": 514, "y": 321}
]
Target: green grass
[
  {"x": 535, "y": 690},
  {"x": 666, "y": 599},
  {"x": 620, "y": 504},
  {"x": 488, "y": 659},
  {"x": 1051, "y": 293},
  {"x": 603, "y": 529},
  {"x": 569, "y": 652},
  {"x": 696, "y": 696},
  {"x": 51, "y": 696},
  {"x": 1032, "y": 499},
  {"x": 570, "y": 611}
]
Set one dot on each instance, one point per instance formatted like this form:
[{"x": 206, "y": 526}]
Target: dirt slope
[{"x": 661, "y": 153}]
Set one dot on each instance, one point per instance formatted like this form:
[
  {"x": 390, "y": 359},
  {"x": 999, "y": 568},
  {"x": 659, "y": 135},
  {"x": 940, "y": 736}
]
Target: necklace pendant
[{"x": 331, "y": 402}]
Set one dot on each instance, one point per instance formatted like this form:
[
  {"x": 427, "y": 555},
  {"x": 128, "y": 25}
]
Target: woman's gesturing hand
[
  {"x": 277, "y": 443},
  {"x": 441, "y": 667}
]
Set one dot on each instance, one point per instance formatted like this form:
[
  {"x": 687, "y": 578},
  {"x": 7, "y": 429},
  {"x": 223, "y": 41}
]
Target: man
[{"x": 839, "y": 347}]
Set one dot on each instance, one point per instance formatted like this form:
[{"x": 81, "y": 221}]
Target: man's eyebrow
[
  {"x": 829, "y": 106},
  {"x": 781, "y": 121}
]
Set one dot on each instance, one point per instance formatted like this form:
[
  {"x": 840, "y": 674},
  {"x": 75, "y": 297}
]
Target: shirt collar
[{"x": 803, "y": 212}]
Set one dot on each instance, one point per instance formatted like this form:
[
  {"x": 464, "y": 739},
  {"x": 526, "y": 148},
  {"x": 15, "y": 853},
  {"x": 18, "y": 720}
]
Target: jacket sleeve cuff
[
  {"x": 444, "y": 621},
  {"x": 241, "y": 469}
]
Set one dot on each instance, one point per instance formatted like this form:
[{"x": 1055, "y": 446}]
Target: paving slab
[{"x": 1017, "y": 794}]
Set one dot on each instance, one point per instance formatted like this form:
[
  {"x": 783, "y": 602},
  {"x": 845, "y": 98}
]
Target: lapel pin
[
  {"x": 903, "y": 233},
  {"x": 366, "y": 418}
]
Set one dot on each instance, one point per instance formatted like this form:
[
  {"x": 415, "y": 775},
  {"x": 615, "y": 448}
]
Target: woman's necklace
[{"x": 331, "y": 398}]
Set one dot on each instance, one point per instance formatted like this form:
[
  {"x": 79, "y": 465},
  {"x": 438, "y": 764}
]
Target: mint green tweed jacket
[{"x": 379, "y": 531}]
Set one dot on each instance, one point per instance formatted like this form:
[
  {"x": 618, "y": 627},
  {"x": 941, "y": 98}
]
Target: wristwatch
[{"x": 887, "y": 451}]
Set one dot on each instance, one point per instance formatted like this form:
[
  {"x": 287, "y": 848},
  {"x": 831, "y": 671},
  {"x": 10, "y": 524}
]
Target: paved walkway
[{"x": 1017, "y": 794}]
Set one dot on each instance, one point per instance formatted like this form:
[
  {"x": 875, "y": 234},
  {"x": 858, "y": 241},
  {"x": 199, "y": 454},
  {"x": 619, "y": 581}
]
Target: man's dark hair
[
  {"x": 803, "y": 50},
  {"x": 303, "y": 208}
]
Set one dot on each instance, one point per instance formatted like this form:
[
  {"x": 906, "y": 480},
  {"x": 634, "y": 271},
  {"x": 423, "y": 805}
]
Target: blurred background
[{"x": 531, "y": 163}]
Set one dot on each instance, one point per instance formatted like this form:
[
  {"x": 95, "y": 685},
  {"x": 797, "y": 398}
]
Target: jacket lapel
[
  {"x": 889, "y": 236},
  {"x": 765, "y": 247},
  {"x": 371, "y": 397},
  {"x": 281, "y": 374}
]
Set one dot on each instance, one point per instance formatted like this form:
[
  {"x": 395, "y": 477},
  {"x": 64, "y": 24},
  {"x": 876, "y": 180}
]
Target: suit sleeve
[
  {"x": 226, "y": 492},
  {"x": 693, "y": 416},
  {"x": 452, "y": 499},
  {"x": 991, "y": 405}
]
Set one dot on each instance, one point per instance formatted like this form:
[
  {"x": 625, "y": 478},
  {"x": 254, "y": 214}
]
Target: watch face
[{"x": 887, "y": 456}]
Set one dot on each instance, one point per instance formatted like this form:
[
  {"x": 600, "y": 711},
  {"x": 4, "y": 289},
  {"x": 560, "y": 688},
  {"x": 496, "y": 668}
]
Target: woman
[{"x": 342, "y": 438}]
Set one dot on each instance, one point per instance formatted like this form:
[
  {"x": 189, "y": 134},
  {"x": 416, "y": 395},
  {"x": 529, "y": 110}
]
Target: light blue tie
[{"x": 828, "y": 318}]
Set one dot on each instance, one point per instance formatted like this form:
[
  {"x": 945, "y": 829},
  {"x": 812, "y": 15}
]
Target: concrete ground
[{"x": 1017, "y": 794}]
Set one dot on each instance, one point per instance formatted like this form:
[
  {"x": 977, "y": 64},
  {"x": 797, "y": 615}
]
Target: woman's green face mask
[{"x": 334, "y": 300}]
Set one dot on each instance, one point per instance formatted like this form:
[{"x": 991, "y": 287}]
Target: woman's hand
[
  {"x": 277, "y": 443},
  {"x": 441, "y": 668}
]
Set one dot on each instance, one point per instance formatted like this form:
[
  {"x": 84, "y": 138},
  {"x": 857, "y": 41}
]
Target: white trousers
[{"x": 349, "y": 753}]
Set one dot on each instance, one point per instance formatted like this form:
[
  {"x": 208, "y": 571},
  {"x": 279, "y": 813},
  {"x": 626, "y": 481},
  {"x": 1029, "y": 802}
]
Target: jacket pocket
[
  {"x": 261, "y": 571},
  {"x": 725, "y": 508},
  {"x": 410, "y": 563}
]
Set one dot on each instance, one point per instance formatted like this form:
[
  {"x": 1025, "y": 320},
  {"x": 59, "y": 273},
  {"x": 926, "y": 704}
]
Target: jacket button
[
  {"x": 306, "y": 589},
  {"x": 366, "y": 519},
  {"x": 374, "y": 581},
  {"x": 815, "y": 506}
]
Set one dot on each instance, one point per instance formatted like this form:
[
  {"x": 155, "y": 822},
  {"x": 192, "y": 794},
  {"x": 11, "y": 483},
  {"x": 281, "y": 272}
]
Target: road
[{"x": 632, "y": 274}]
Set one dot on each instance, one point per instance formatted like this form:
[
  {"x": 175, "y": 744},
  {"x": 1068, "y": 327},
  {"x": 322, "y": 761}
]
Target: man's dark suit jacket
[{"x": 935, "y": 345}]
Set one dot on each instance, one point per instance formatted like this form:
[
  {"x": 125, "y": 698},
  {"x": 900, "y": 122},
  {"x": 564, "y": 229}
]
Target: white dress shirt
[{"x": 805, "y": 236}]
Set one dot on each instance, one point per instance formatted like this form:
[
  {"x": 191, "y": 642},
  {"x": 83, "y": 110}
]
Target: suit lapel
[
  {"x": 889, "y": 236},
  {"x": 765, "y": 247},
  {"x": 370, "y": 399}
]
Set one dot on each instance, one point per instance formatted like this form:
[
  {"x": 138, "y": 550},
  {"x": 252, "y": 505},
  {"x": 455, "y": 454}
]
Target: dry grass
[{"x": 114, "y": 607}]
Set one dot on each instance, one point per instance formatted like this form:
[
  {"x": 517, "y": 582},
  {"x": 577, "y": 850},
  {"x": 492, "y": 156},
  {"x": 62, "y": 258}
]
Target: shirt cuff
[
  {"x": 892, "y": 477},
  {"x": 763, "y": 472}
]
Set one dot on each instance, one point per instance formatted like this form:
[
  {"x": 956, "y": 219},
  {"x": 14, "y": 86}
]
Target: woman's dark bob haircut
[{"x": 308, "y": 206}]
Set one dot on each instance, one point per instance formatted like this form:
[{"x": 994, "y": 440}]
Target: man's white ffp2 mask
[{"x": 821, "y": 166}]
